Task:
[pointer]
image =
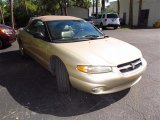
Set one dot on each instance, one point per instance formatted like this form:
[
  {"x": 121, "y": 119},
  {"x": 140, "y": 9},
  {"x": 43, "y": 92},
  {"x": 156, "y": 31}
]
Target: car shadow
[{"x": 35, "y": 88}]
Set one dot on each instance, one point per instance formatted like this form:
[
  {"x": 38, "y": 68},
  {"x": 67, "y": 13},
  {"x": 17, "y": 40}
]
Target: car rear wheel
[
  {"x": 1, "y": 44},
  {"x": 115, "y": 27},
  {"x": 62, "y": 76}
]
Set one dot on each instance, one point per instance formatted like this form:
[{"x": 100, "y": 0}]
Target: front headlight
[
  {"x": 94, "y": 69},
  {"x": 7, "y": 31}
]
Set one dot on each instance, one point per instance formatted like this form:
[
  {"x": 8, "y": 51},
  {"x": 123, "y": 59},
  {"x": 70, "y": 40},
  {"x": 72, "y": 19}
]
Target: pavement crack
[{"x": 9, "y": 114}]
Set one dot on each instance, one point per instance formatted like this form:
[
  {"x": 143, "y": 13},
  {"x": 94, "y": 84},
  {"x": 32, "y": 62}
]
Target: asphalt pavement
[{"x": 29, "y": 92}]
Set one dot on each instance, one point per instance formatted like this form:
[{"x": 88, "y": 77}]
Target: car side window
[
  {"x": 36, "y": 26},
  {"x": 103, "y": 15},
  {"x": 99, "y": 16}
]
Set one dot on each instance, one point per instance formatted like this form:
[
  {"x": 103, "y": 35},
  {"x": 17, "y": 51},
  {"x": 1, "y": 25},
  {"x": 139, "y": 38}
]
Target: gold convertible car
[{"x": 80, "y": 55}]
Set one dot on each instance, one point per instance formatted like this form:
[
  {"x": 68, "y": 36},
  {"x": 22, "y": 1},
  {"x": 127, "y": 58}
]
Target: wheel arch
[{"x": 53, "y": 59}]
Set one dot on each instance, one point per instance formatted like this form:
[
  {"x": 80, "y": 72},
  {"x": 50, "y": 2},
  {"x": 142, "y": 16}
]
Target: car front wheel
[
  {"x": 115, "y": 27},
  {"x": 62, "y": 76},
  {"x": 101, "y": 26}
]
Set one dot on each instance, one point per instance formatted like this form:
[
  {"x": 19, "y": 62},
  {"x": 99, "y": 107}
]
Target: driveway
[{"x": 29, "y": 92}]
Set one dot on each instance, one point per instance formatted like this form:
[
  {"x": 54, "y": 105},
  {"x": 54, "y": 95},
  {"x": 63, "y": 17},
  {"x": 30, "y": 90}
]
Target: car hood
[{"x": 108, "y": 51}]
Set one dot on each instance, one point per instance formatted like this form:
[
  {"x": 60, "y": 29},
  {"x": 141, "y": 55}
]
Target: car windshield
[
  {"x": 112, "y": 16},
  {"x": 73, "y": 30}
]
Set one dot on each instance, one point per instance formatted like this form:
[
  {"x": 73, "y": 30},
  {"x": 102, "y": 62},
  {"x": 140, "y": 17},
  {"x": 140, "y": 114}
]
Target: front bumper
[
  {"x": 112, "y": 25},
  {"x": 8, "y": 39},
  {"x": 107, "y": 82}
]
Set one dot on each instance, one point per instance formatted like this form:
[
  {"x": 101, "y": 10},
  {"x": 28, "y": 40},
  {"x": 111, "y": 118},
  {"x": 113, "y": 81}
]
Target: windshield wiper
[
  {"x": 78, "y": 39},
  {"x": 93, "y": 37},
  {"x": 88, "y": 37}
]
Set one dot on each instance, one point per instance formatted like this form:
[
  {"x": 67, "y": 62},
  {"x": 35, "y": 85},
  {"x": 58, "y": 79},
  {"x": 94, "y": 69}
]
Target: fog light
[{"x": 97, "y": 89}]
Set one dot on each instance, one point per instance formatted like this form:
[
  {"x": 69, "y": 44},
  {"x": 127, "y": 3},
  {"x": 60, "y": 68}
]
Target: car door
[
  {"x": 99, "y": 19},
  {"x": 103, "y": 20},
  {"x": 26, "y": 37},
  {"x": 38, "y": 45}
]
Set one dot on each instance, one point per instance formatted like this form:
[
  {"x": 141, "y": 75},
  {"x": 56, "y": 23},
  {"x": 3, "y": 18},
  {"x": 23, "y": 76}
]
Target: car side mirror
[{"x": 39, "y": 35}]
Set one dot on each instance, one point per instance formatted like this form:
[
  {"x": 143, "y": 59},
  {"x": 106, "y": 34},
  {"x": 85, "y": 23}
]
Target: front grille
[{"x": 127, "y": 67}]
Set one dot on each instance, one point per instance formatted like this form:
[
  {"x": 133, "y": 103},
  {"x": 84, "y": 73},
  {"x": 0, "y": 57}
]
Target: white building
[{"x": 150, "y": 12}]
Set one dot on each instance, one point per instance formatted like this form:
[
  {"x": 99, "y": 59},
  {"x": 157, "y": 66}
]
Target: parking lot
[{"x": 29, "y": 92}]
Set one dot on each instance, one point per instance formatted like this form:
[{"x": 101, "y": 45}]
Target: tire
[
  {"x": 101, "y": 25},
  {"x": 1, "y": 44},
  {"x": 115, "y": 27},
  {"x": 62, "y": 76}
]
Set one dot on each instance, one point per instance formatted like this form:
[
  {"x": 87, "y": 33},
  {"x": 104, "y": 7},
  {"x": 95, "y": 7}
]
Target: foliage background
[{"x": 24, "y": 9}]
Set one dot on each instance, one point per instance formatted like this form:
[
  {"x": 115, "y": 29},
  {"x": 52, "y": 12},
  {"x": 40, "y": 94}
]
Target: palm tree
[
  {"x": 97, "y": 8},
  {"x": 131, "y": 14},
  {"x": 1, "y": 13},
  {"x": 139, "y": 13},
  {"x": 24, "y": 3},
  {"x": 65, "y": 7},
  {"x": 11, "y": 13},
  {"x": 93, "y": 6},
  {"x": 61, "y": 7},
  {"x": 118, "y": 6},
  {"x": 103, "y": 5}
]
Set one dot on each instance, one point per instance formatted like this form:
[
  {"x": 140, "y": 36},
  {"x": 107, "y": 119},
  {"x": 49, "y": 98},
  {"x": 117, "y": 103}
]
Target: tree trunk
[
  {"x": 61, "y": 7},
  {"x": 1, "y": 12},
  {"x": 139, "y": 13},
  {"x": 25, "y": 7},
  {"x": 131, "y": 14},
  {"x": 103, "y": 5},
  {"x": 65, "y": 7},
  {"x": 118, "y": 6},
  {"x": 93, "y": 6},
  {"x": 96, "y": 8},
  {"x": 11, "y": 13}
]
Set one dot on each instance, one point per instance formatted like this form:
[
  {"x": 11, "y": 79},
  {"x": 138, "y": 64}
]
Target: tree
[
  {"x": 22, "y": 10},
  {"x": 118, "y": 6},
  {"x": 65, "y": 7},
  {"x": 131, "y": 14},
  {"x": 11, "y": 13},
  {"x": 86, "y": 4},
  {"x": 97, "y": 8},
  {"x": 139, "y": 13},
  {"x": 93, "y": 6},
  {"x": 82, "y": 3},
  {"x": 30, "y": 6},
  {"x": 2, "y": 11},
  {"x": 103, "y": 5}
]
